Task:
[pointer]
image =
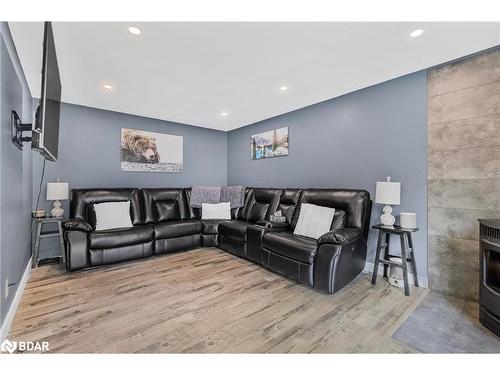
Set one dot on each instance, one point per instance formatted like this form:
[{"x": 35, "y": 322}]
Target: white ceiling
[{"x": 191, "y": 72}]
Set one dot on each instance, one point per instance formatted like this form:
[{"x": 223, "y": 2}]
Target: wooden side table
[
  {"x": 40, "y": 234},
  {"x": 407, "y": 253}
]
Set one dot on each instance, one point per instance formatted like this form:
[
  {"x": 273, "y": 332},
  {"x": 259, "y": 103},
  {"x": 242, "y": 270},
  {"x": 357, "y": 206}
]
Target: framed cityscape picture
[
  {"x": 143, "y": 151},
  {"x": 269, "y": 144}
]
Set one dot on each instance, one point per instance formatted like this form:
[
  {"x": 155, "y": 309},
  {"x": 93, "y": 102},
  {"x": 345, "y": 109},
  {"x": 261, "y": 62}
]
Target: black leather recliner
[
  {"x": 259, "y": 205},
  {"x": 337, "y": 257},
  {"x": 168, "y": 211},
  {"x": 209, "y": 228},
  {"x": 288, "y": 200},
  {"x": 163, "y": 222},
  {"x": 86, "y": 247}
]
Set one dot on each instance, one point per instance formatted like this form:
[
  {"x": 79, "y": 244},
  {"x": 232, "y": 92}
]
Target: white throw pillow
[
  {"x": 112, "y": 215},
  {"x": 216, "y": 210},
  {"x": 314, "y": 221}
]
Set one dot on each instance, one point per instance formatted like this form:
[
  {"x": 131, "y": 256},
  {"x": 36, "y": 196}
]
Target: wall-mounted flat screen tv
[{"x": 46, "y": 131}]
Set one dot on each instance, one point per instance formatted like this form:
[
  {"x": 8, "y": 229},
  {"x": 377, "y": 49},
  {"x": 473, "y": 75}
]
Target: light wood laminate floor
[{"x": 202, "y": 301}]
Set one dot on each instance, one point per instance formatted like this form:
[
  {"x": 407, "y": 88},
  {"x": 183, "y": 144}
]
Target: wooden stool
[
  {"x": 40, "y": 234},
  {"x": 407, "y": 253}
]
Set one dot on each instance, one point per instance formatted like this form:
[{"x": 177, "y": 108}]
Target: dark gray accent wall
[
  {"x": 89, "y": 154},
  {"x": 15, "y": 174},
  {"x": 351, "y": 141}
]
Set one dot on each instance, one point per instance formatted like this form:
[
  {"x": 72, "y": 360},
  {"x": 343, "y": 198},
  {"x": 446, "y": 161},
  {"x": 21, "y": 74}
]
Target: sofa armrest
[
  {"x": 77, "y": 224},
  {"x": 76, "y": 246},
  {"x": 341, "y": 236},
  {"x": 338, "y": 263},
  {"x": 273, "y": 224}
]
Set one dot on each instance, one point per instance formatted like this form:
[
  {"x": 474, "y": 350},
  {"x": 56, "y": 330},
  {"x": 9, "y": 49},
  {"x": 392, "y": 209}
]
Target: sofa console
[{"x": 163, "y": 222}]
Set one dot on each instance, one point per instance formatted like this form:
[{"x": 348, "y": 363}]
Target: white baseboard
[
  {"x": 4, "y": 331},
  {"x": 423, "y": 282}
]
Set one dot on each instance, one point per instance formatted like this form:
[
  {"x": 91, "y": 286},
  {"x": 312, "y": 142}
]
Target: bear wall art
[{"x": 143, "y": 151}]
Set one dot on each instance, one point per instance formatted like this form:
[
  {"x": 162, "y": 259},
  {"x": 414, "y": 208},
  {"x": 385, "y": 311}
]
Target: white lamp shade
[
  {"x": 57, "y": 191},
  {"x": 388, "y": 193}
]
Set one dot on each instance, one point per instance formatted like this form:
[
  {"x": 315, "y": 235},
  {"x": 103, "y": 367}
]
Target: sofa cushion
[
  {"x": 211, "y": 226},
  {"x": 181, "y": 228},
  {"x": 166, "y": 211},
  {"x": 105, "y": 239},
  {"x": 259, "y": 204},
  {"x": 289, "y": 200},
  {"x": 258, "y": 212},
  {"x": 164, "y": 204},
  {"x": 287, "y": 244},
  {"x": 339, "y": 220},
  {"x": 236, "y": 230}
]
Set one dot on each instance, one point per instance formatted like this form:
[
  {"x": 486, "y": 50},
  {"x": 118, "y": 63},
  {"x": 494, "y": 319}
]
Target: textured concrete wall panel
[{"x": 463, "y": 168}]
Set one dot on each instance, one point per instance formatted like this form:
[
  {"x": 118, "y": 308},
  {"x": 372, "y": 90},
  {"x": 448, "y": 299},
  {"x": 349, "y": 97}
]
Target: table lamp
[
  {"x": 57, "y": 191},
  {"x": 388, "y": 193}
]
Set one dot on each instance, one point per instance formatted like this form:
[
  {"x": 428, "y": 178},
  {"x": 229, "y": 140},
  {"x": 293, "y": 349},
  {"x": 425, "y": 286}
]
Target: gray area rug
[{"x": 443, "y": 324}]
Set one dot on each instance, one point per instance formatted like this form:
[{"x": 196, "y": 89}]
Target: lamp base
[
  {"x": 57, "y": 210},
  {"x": 387, "y": 218}
]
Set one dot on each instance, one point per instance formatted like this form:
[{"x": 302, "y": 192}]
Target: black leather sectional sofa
[{"x": 163, "y": 222}]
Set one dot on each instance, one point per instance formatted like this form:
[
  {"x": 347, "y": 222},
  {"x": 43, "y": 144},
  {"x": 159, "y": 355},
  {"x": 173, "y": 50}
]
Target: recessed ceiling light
[
  {"x": 134, "y": 30},
  {"x": 283, "y": 88},
  {"x": 107, "y": 87},
  {"x": 224, "y": 113},
  {"x": 416, "y": 33}
]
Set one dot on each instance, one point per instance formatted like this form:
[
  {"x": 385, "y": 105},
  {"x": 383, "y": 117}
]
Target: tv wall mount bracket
[{"x": 17, "y": 129}]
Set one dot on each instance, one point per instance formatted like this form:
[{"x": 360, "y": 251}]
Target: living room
[{"x": 250, "y": 187}]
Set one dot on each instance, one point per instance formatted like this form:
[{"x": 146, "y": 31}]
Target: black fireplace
[{"x": 489, "y": 264}]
